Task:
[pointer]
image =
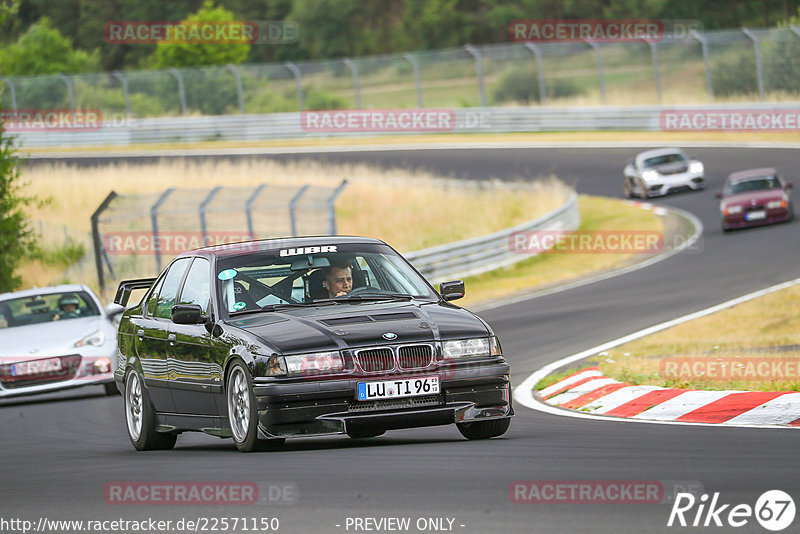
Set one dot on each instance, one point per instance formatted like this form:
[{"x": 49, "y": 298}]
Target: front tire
[
  {"x": 627, "y": 188},
  {"x": 242, "y": 414},
  {"x": 484, "y": 429},
  {"x": 140, "y": 418}
]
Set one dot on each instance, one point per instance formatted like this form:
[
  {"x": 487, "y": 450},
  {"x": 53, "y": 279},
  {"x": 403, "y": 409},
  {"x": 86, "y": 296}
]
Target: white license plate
[
  {"x": 755, "y": 215},
  {"x": 402, "y": 387},
  {"x": 36, "y": 367}
]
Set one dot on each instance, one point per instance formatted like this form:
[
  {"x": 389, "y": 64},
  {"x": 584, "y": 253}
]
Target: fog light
[{"x": 102, "y": 366}]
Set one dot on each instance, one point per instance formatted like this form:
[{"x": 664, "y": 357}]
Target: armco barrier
[
  {"x": 467, "y": 120},
  {"x": 481, "y": 254}
]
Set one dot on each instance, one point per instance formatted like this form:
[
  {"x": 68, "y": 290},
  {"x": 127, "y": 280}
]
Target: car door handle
[
  {"x": 171, "y": 339},
  {"x": 140, "y": 333}
]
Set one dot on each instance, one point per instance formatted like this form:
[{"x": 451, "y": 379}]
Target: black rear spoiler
[{"x": 127, "y": 286}]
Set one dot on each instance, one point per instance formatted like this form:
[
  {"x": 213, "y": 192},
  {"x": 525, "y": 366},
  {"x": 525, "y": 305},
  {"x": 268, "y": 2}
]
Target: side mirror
[
  {"x": 452, "y": 290},
  {"x": 186, "y": 313},
  {"x": 718, "y": 194},
  {"x": 112, "y": 310}
]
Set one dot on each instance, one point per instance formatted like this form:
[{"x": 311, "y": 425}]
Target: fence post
[
  {"x": 98, "y": 242},
  {"x": 298, "y": 76},
  {"x": 704, "y": 47},
  {"x": 331, "y": 207},
  {"x": 239, "y": 88},
  {"x": 181, "y": 91},
  {"x": 759, "y": 71},
  {"x": 601, "y": 78},
  {"x": 154, "y": 221},
  {"x": 202, "y": 211},
  {"x": 356, "y": 87},
  {"x": 124, "y": 80},
  {"x": 539, "y": 71},
  {"x": 292, "y": 204},
  {"x": 656, "y": 70},
  {"x": 248, "y": 209},
  {"x": 70, "y": 89},
  {"x": 10, "y": 83},
  {"x": 417, "y": 79},
  {"x": 478, "y": 71}
]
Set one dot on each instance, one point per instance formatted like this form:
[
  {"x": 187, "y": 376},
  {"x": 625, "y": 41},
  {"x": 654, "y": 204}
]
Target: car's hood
[
  {"x": 47, "y": 339},
  {"x": 671, "y": 168},
  {"x": 747, "y": 197},
  {"x": 357, "y": 325}
]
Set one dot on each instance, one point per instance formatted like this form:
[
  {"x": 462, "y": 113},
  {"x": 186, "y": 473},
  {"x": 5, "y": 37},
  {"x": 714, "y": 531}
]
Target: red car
[{"x": 755, "y": 197}]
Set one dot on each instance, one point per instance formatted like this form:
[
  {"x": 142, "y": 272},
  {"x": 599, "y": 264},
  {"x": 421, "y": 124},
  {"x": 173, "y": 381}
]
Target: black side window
[
  {"x": 152, "y": 300},
  {"x": 197, "y": 288},
  {"x": 169, "y": 290}
]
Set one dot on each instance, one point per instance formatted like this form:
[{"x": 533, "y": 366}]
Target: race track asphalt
[{"x": 58, "y": 456}]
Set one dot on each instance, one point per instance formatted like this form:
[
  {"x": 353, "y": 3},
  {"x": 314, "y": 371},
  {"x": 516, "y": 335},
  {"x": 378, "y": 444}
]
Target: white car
[
  {"x": 662, "y": 171},
  {"x": 56, "y": 338}
]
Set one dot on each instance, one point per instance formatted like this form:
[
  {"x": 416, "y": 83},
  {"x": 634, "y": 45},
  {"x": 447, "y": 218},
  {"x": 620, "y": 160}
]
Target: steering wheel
[{"x": 366, "y": 289}]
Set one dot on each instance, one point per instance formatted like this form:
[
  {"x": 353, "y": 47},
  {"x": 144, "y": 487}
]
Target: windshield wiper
[
  {"x": 278, "y": 306},
  {"x": 367, "y": 297}
]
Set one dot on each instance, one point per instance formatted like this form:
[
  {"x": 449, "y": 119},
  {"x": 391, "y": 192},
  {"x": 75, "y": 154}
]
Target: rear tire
[
  {"x": 484, "y": 429},
  {"x": 141, "y": 418},
  {"x": 242, "y": 413}
]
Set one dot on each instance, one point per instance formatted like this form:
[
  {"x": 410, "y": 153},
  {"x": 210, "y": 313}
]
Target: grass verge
[
  {"x": 597, "y": 214},
  {"x": 752, "y": 346},
  {"x": 667, "y": 138}
]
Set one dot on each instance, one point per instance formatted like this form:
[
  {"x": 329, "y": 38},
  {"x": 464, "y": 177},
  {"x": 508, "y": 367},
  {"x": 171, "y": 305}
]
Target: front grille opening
[
  {"x": 376, "y": 360},
  {"x": 396, "y": 404},
  {"x": 415, "y": 356}
]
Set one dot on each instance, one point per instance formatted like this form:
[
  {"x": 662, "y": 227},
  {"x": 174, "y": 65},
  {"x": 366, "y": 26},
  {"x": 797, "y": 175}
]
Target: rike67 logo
[{"x": 774, "y": 510}]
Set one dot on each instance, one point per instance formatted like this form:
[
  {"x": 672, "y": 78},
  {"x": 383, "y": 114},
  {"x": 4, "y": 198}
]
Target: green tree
[
  {"x": 16, "y": 239},
  {"x": 200, "y": 55},
  {"x": 43, "y": 50}
]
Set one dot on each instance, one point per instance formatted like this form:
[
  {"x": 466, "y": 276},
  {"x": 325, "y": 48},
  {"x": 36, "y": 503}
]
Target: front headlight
[
  {"x": 696, "y": 167},
  {"x": 773, "y": 204},
  {"x": 649, "y": 174},
  {"x": 314, "y": 363},
  {"x": 466, "y": 348},
  {"x": 95, "y": 340},
  {"x": 730, "y": 210}
]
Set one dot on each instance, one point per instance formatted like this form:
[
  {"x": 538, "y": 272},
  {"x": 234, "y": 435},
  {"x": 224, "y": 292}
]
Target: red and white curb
[
  {"x": 590, "y": 392},
  {"x": 651, "y": 404}
]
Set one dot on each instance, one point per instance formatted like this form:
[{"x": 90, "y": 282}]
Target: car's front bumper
[
  {"x": 774, "y": 215},
  {"x": 78, "y": 370},
  {"x": 306, "y": 408},
  {"x": 675, "y": 183}
]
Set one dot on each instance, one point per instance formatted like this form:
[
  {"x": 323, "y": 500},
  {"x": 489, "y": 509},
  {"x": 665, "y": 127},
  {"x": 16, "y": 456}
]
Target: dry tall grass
[{"x": 408, "y": 209}]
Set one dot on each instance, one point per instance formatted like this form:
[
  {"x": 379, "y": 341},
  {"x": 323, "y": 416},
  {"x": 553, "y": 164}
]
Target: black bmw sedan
[{"x": 266, "y": 340}]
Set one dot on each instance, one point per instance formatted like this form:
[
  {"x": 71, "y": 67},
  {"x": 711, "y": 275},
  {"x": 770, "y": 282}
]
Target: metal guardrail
[
  {"x": 289, "y": 125},
  {"x": 481, "y": 254}
]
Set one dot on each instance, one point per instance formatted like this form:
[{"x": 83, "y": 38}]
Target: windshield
[
  {"x": 666, "y": 159},
  {"x": 760, "y": 183},
  {"x": 46, "y": 308},
  {"x": 307, "y": 275}
]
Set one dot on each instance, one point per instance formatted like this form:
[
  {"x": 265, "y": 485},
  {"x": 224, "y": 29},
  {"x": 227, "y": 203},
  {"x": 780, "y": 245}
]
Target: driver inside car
[
  {"x": 338, "y": 279},
  {"x": 68, "y": 308}
]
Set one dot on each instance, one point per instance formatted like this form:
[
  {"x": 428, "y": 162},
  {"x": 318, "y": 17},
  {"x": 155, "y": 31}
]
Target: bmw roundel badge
[{"x": 390, "y": 336}]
